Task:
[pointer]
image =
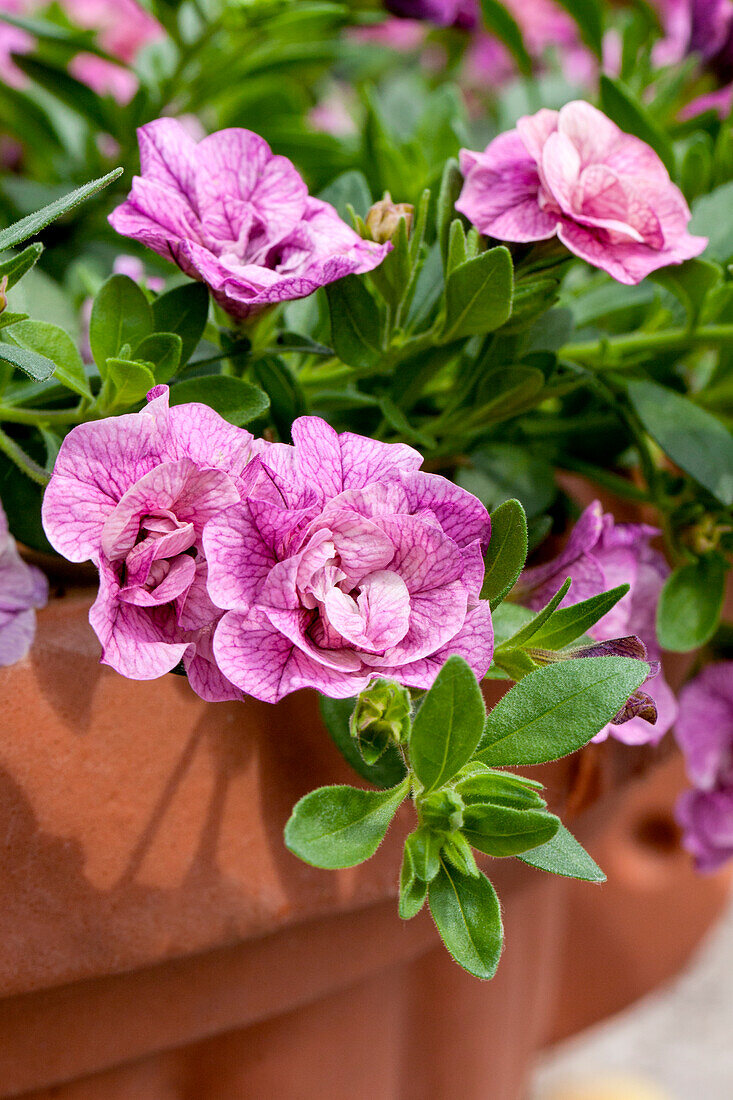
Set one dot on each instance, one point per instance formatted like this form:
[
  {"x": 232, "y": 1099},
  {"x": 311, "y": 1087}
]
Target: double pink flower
[
  {"x": 268, "y": 567},
  {"x": 575, "y": 175}
]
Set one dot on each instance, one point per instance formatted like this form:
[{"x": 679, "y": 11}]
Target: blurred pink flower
[
  {"x": 134, "y": 268},
  {"x": 14, "y": 40},
  {"x": 704, "y": 731},
  {"x": 403, "y": 35},
  {"x": 104, "y": 77},
  {"x": 122, "y": 26},
  {"x": 575, "y": 175},
  {"x": 23, "y": 589},
  {"x": 238, "y": 218},
  {"x": 601, "y": 554}
]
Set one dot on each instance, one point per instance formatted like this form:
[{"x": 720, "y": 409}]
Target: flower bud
[
  {"x": 384, "y": 218},
  {"x": 381, "y": 717},
  {"x": 3, "y": 292},
  {"x": 442, "y": 810}
]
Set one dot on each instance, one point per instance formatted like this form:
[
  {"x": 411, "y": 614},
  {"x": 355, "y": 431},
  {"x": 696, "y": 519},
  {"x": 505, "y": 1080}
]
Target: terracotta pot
[{"x": 158, "y": 941}]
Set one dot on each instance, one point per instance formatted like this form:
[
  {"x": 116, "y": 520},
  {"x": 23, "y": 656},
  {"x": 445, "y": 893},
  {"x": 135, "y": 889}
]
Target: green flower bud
[
  {"x": 380, "y": 718},
  {"x": 441, "y": 810}
]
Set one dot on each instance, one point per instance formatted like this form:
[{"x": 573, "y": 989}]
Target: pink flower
[
  {"x": 104, "y": 77},
  {"x": 345, "y": 563},
  {"x": 133, "y": 494},
  {"x": 704, "y": 731},
  {"x": 22, "y": 589},
  {"x": 238, "y": 218},
  {"x": 122, "y": 26},
  {"x": 13, "y": 40},
  {"x": 601, "y": 554},
  {"x": 544, "y": 25},
  {"x": 573, "y": 174}
]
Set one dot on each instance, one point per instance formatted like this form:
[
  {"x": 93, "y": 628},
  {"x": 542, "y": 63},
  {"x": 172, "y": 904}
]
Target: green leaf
[
  {"x": 694, "y": 439},
  {"x": 286, "y": 396},
  {"x": 350, "y": 189},
  {"x": 564, "y": 855},
  {"x": 500, "y": 788},
  {"x": 37, "y": 366},
  {"x": 413, "y": 889},
  {"x": 501, "y": 831},
  {"x": 689, "y": 606},
  {"x": 505, "y": 470},
  {"x": 478, "y": 295},
  {"x": 529, "y": 629},
  {"x": 183, "y": 311},
  {"x": 711, "y": 219},
  {"x": 237, "y": 401},
  {"x": 618, "y": 102},
  {"x": 588, "y": 14},
  {"x": 51, "y": 341},
  {"x": 457, "y": 248},
  {"x": 388, "y": 770},
  {"x": 73, "y": 93},
  {"x": 355, "y": 323},
  {"x": 467, "y": 915},
  {"x": 121, "y": 314},
  {"x": 457, "y": 851},
  {"x": 34, "y": 223},
  {"x": 557, "y": 709},
  {"x": 163, "y": 350},
  {"x": 447, "y": 727},
  {"x": 451, "y": 185},
  {"x": 335, "y": 827},
  {"x": 498, "y": 20},
  {"x": 131, "y": 379},
  {"x": 15, "y": 267},
  {"x": 424, "y": 847},
  {"x": 690, "y": 283},
  {"x": 568, "y": 623},
  {"x": 507, "y": 551}
]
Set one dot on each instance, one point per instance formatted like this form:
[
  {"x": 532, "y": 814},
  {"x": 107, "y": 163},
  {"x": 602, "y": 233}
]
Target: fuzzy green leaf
[
  {"x": 51, "y": 341},
  {"x": 478, "y": 295},
  {"x": 557, "y": 709},
  {"x": 28, "y": 227},
  {"x": 336, "y": 827},
  {"x": 467, "y": 915},
  {"x": 448, "y": 725},
  {"x": 564, "y": 855},
  {"x": 506, "y": 553}
]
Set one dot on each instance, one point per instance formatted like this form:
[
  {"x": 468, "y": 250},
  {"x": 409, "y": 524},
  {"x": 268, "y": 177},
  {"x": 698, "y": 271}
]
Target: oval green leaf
[
  {"x": 335, "y": 827},
  {"x": 557, "y": 709},
  {"x": 467, "y": 915},
  {"x": 448, "y": 725},
  {"x": 689, "y": 607}
]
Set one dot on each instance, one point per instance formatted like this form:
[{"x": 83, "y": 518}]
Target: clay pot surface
[{"x": 157, "y": 940}]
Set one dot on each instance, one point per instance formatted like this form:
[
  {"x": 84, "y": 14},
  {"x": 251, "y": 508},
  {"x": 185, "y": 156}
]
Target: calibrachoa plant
[{"x": 352, "y": 284}]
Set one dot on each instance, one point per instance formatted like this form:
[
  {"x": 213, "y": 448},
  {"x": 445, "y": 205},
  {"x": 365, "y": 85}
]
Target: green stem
[
  {"x": 53, "y": 417},
  {"x": 23, "y": 461},
  {"x": 609, "y": 349}
]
